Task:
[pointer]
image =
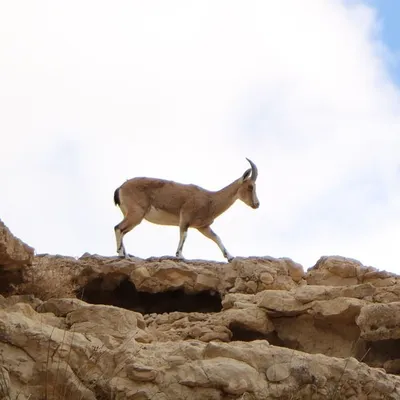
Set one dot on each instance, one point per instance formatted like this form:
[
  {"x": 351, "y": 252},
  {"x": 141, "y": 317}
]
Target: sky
[
  {"x": 387, "y": 21},
  {"x": 97, "y": 92}
]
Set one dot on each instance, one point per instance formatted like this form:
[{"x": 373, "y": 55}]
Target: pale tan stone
[
  {"x": 296, "y": 271},
  {"x": 182, "y": 369},
  {"x": 328, "y": 318},
  {"x": 61, "y": 307},
  {"x": 380, "y": 321},
  {"x": 308, "y": 293},
  {"x": 278, "y": 372},
  {"x": 281, "y": 302},
  {"x": 266, "y": 278},
  {"x": 140, "y": 372},
  {"x": 106, "y": 321},
  {"x": 334, "y": 271},
  {"x": 12, "y": 250}
]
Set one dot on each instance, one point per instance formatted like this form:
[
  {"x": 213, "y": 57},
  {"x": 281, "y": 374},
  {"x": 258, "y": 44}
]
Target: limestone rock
[
  {"x": 387, "y": 294},
  {"x": 342, "y": 271},
  {"x": 12, "y": 250},
  {"x": 257, "y": 274},
  {"x": 239, "y": 300},
  {"x": 328, "y": 327},
  {"x": 281, "y": 302},
  {"x": 209, "y": 326},
  {"x": 61, "y": 307},
  {"x": 340, "y": 309},
  {"x": 379, "y": 278},
  {"x": 167, "y": 274},
  {"x": 380, "y": 321},
  {"x": 51, "y": 276},
  {"x": 308, "y": 293},
  {"x": 76, "y": 365},
  {"x": 24, "y": 298},
  {"x": 14, "y": 256},
  {"x": 278, "y": 372},
  {"x": 163, "y": 328},
  {"x": 45, "y": 318},
  {"x": 112, "y": 325},
  {"x": 306, "y": 334},
  {"x": 334, "y": 271}
]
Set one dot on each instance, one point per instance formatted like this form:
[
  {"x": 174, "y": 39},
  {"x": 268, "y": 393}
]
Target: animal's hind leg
[
  {"x": 118, "y": 236},
  {"x": 127, "y": 224}
]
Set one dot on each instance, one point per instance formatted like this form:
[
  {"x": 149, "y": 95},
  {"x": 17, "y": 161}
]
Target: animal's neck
[{"x": 225, "y": 197}]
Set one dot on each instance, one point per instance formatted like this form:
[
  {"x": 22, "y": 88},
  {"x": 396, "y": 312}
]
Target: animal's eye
[{"x": 251, "y": 187}]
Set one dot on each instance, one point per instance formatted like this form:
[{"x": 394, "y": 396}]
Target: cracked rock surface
[
  {"x": 15, "y": 255},
  {"x": 255, "y": 328}
]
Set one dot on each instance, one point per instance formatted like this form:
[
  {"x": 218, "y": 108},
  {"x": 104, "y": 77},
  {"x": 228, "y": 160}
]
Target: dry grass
[{"x": 47, "y": 280}]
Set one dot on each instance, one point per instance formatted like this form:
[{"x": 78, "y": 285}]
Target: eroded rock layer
[
  {"x": 15, "y": 255},
  {"x": 88, "y": 351},
  {"x": 256, "y": 328}
]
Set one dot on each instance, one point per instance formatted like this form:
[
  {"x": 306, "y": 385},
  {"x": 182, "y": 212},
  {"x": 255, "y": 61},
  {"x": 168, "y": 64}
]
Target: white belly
[{"x": 161, "y": 217}]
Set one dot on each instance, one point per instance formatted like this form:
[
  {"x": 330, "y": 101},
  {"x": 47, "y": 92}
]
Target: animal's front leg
[
  {"x": 208, "y": 232},
  {"x": 183, "y": 234}
]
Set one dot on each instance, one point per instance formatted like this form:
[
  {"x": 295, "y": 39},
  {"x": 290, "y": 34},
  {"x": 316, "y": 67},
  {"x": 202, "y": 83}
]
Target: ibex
[{"x": 165, "y": 202}]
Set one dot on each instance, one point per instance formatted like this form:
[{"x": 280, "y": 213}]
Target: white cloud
[{"x": 96, "y": 92}]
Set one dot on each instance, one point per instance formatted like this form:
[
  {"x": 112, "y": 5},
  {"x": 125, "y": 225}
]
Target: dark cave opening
[
  {"x": 239, "y": 333},
  {"x": 9, "y": 278},
  {"x": 383, "y": 353},
  {"x": 124, "y": 294}
]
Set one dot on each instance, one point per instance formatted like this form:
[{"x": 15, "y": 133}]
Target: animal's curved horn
[{"x": 254, "y": 170}]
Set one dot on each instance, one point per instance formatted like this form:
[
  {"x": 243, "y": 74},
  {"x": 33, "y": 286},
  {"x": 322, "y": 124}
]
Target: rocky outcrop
[
  {"x": 341, "y": 271},
  {"x": 14, "y": 256},
  {"x": 248, "y": 299},
  {"x": 12, "y": 250},
  {"x": 154, "y": 275},
  {"x": 92, "y": 352},
  {"x": 162, "y": 328}
]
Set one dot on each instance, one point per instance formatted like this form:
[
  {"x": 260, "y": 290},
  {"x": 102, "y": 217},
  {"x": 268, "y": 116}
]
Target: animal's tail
[{"x": 116, "y": 197}]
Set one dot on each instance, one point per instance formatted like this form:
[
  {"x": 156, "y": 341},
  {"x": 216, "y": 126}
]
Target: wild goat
[{"x": 165, "y": 202}]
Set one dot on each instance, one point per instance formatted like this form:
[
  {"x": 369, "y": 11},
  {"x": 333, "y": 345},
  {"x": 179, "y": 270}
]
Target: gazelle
[{"x": 166, "y": 202}]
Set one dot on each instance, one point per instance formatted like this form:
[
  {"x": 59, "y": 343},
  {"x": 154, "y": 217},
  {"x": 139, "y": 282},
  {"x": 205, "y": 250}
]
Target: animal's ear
[{"x": 246, "y": 175}]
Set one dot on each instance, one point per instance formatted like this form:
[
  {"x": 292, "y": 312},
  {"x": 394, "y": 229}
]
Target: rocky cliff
[{"x": 165, "y": 329}]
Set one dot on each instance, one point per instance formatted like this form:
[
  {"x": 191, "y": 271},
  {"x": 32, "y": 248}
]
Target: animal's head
[{"x": 247, "y": 191}]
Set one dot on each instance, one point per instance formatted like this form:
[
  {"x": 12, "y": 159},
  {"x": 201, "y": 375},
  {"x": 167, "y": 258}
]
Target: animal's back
[
  {"x": 157, "y": 189},
  {"x": 161, "y": 199}
]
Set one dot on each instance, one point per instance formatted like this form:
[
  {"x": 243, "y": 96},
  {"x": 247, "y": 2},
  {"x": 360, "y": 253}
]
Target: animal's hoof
[
  {"x": 125, "y": 256},
  {"x": 230, "y": 259},
  {"x": 121, "y": 253}
]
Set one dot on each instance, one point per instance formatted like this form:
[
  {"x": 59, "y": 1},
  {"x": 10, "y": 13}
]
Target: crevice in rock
[
  {"x": 123, "y": 293},
  {"x": 383, "y": 352},
  {"x": 9, "y": 277},
  {"x": 240, "y": 333}
]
